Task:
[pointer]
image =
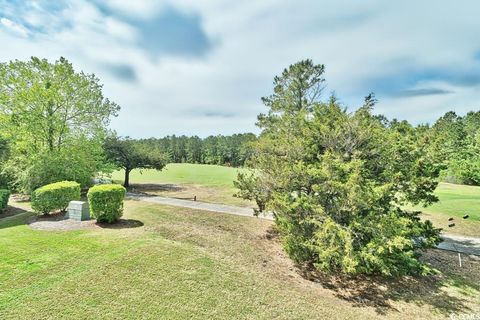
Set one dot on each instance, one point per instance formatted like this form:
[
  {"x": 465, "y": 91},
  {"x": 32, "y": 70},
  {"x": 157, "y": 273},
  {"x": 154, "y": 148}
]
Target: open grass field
[
  {"x": 215, "y": 184},
  {"x": 178, "y": 173},
  {"x": 184, "y": 264},
  {"x": 456, "y": 201},
  {"x": 209, "y": 183}
]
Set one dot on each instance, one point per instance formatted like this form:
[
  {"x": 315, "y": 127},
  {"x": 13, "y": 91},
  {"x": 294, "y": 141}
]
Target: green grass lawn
[
  {"x": 188, "y": 264},
  {"x": 215, "y": 184},
  {"x": 457, "y": 200},
  {"x": 180, "y": 173},
  {"x": 454, "y": 202},
  {"x": 209, "y": 183}
]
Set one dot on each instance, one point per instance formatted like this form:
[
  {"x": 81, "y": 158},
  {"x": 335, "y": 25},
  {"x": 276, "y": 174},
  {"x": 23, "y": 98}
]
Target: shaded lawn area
[
  {"x": 187, "y": 264},
  {"x": 209, "y": 183},
  {"x": 454, "y": 202}
]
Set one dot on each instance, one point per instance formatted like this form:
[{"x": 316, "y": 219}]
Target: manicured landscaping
[
  {"x": 178, "y": 173},
  {"x": 455, "y": 201},
  {"x": 209, "y": 183},
  {"x": 180, "y": 209},
  {"x": 214, "y": 184},
  {"x": 187, "y": 264},
  {"x": 55, "y": 196}
]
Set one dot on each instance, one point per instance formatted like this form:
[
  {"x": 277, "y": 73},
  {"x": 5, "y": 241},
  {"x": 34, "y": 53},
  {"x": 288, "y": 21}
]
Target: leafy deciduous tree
[
  {"x": 129, "y": 154},
  {"x": 45, "y": 109}
]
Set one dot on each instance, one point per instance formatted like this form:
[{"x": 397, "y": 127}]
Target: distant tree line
[
  {"x": 452, "y": 143},
  {"x": 231, "y": 150},
  {"x": 455, "y": 143}
]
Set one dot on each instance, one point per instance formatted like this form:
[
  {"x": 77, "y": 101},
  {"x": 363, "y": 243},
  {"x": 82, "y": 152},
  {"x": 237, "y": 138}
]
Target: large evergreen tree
[{"x": 337, "y": 181}]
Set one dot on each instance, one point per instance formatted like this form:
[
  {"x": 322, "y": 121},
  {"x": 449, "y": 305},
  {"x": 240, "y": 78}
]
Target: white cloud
[
  {"x": 13, "y": 27},
  {"x": 390, "y": 47}
]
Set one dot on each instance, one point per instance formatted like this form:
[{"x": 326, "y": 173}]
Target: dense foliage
[
  {"x": 55, "y": 196},
  {"x": 4, "y": 155},
  {"x": 221, "y": 150},
  {"x": 54, "y": 119},
  {"x": 106, "y": 202},
  {"x": 130, "y": 154},
  {"x": 455, "y": 142},
  {"x": 4, "y": 196},
  {"x": 337, "y": 181}
]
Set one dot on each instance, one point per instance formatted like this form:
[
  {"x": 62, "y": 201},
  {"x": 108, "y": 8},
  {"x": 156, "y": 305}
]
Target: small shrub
[
  {"x": 4, "y": 196},
  {"x": 55, "y": 196},
  {"x": 106, "y": 202}
]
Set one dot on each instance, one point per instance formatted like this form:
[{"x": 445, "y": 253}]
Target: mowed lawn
[
  {"x": 187, "y": 264},
  {"x": 455, "y": 201},
  {"x": 214, "y": 184},
  {"x": 209, "y": 183}
]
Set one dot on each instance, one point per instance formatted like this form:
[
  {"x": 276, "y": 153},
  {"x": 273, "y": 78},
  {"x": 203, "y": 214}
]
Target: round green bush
[
  {"x": 55, "y": 196},
  {"x": 4, "y": 196},
  {"x": 106, "y": 202}
]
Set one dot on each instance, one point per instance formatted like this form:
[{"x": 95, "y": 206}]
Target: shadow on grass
[
  {"x": 153, "y": 190},
  {"x": 8, "y": 218},
  {"x": 379, "y": 292},
  {"x": 121, "y": 224},
  {"x": 382, "y": 293},
  {"x": 147, "y": 188}
]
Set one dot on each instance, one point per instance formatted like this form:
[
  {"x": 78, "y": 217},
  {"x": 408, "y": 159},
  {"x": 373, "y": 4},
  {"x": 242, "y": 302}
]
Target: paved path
[
  {"x": 214, "y": 207},
  {"x": 463, "y": 244},
  {"x": 467, "y": 245}
]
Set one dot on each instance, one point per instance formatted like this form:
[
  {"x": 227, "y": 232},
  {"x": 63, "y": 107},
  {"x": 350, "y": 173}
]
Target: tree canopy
[
  {"x": 231, "y": 150},
  {"x": 129, "y": 154},
  {"x": 455, "y": 143},
  {"x": 50, "y": 111},
  {"x": 337, "y": 181}
]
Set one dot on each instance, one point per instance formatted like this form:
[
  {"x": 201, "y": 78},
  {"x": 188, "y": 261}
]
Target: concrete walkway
[
  {"x": 463, "y": 244},
  {"x": 456, "y": 243},
  {"x": 214, "y": 207}
]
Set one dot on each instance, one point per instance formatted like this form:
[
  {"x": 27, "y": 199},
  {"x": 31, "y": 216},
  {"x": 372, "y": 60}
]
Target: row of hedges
[
  {"x": 4, "y": 196},
  {"x": 105, "y": 201}
]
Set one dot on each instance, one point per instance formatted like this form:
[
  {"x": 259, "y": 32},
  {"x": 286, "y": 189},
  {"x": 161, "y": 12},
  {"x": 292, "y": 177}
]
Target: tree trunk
[{"x": 126, "y": 182}]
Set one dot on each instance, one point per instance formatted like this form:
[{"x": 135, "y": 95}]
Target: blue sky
[{"x": 200, "y": 67}]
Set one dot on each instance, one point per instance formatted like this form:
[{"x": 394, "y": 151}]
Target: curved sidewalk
[
  {"x": 214, "y": 207},
  {"x": 456, "y": 243}
]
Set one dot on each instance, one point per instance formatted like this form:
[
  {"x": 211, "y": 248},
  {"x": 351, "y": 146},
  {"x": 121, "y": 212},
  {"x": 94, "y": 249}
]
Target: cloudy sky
[{"x": 201, "y": 66}]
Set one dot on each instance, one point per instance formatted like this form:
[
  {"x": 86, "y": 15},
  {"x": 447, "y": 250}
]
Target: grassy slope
[
  {"x": 456, "y": 201},
  {"x": 186, "y": 264},
  {"x": 208, "y": 183},
  {"x": 215, "y": 184},
  {"x": 208, "y": 175}
]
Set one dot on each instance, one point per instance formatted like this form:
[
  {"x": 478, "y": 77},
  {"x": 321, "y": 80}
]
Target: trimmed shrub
[
  {"x": 4, "y": 196},
  {"x": 55, "y": 196},
  {"x": 106, "y": 202}
]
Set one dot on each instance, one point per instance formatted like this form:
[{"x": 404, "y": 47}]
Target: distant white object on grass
[{"x": 102, "y": 181}]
